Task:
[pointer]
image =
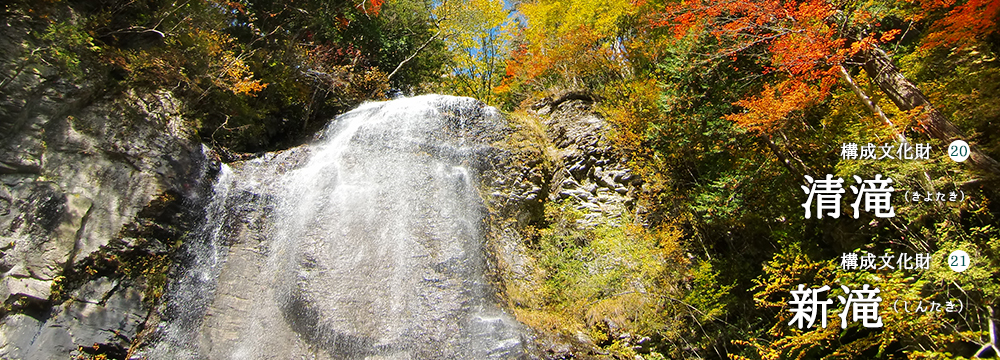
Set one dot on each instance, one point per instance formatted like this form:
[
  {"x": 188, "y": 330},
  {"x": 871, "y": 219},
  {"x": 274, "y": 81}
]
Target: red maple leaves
[
  {"x": 963, "y": 24},
  {"x": 805, "y": 42}
]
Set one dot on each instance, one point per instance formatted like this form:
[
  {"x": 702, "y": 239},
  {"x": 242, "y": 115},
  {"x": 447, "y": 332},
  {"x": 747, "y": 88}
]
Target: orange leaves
[
  {"x": 805, "y": 42},
  {"x": 342, "y": 22},
  {"x": 684, "y": 23},
  {"x": 574, "y": 43},
  {"x": 235, "y": 75},
  {"x": 371, "y": 8},
  {"x": 799, "y": 34},
  {"x": 376, "y": 6},
  {"x": 815, "y": 10},
  {"x": 964, "y": 24},
  {"x": 768, "y": 111},
  {"x": 236, "y": 6},
  {"x": 799, "y": 53},
  {"x": 247, "y": 86},
  {"x": 869, "y": 42},
  {"x": 862, "y": 45},
  {"x": 227, "y": 66},
  {"x": 889, "y": 35}
]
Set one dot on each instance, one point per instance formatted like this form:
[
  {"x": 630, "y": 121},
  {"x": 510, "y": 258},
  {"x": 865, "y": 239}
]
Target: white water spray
[{"x": 365, "y": 245}]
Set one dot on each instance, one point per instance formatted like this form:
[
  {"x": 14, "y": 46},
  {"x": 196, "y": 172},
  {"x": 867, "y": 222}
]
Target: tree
[
  {"x": 570, "y": 45},
  {"x": 322, "y": 58},
  {"x": 810, "y": 45},
  {"x": 478, "y": 37}
]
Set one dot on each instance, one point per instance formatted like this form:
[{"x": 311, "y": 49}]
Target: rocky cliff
[
  {"x": 95, "y": 188},
  {"x": 557, "y": 155},
  {"x": 100, "y": 192}
]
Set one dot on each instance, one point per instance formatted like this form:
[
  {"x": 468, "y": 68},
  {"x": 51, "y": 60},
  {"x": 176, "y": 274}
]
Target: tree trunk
[
  {"x": 782, "y": 157},
  {"x": 869, "y": 103},
  {"x": 415, "y": 53},
  {"x": 907, "y": 96}
]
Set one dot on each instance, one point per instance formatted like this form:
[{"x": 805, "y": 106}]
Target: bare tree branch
[{"x": 415, "y": 53}]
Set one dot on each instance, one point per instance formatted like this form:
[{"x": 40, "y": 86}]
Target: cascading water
[{"x": 365, "y": 244}]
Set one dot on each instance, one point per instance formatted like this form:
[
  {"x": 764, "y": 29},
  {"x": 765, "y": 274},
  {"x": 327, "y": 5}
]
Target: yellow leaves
[
  {"x": 630, "y": 105},
  {"x": 227, "y": 70},
  {"x": 466, "y": 21},
  {"x": 570, "y": 41},
  {"x": 786, "y": 269},
  {"x": 930, "y": 331},
  {"x": 635, "y": 254},
  {"x": 236, "y": 76},
  {"x": 548, "y": 321},
  {"x": 768, "y": 111},
  {"x": 478, "y": 34},
  {"x": 370, "y": 84},
  {"x": 618, "y": 271},
  {"x": 552, "y": 20},
  {"x": 632, "y": 310},
  {"x": 763, "y": 351}
]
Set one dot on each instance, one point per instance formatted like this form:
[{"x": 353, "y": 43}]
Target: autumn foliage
[
  {"x": 801, "y": 44},
  {"x": 722, "y": 106},
  {"x": 963, "y": 23},
  {"x": 567, "y": 45}
]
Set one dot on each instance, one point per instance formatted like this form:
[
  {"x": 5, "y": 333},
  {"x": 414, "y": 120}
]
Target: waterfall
[{"x": 365, "y": 244}]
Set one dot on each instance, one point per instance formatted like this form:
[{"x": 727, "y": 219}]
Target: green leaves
[{"x": 67, "y": 44}]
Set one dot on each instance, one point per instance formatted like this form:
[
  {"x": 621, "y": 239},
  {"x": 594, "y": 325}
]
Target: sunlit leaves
[
  {"x": 478, "y": 34},
  {"x": 571, "y": 44},
  {"x": 67, "y": 43},
  {"x": 803, "y": 41},
  {"x": 964, "y": 23},
  {"x": 614, "y": 273},
  {"x": 227, "y": 69},
  {"x": 767, "y": 111}
]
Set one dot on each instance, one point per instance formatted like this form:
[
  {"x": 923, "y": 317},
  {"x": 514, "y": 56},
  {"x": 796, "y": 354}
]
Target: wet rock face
[
  {"x": 78, "y": 168},
  {"x": 74, "y": 176},
  {"x": 365, "y": 244}
]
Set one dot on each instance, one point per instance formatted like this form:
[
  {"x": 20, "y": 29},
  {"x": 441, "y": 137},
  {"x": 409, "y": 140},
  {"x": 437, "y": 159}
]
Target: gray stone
[
  {"x": 94, "y": 291},
  {"x": 112, "y": 323},
  {"x": 17, "y": 332},
  {"x": 72, "y": 325},
  {"x": 20, "y": 286},
  {"x": 606, "y": 181},
  {"x": 582, "y": 195},
  {"x": 583, "y": 151},
  {"x": 76, "y": 168},
  {"x": 569, "y": 183}
]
